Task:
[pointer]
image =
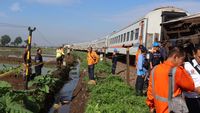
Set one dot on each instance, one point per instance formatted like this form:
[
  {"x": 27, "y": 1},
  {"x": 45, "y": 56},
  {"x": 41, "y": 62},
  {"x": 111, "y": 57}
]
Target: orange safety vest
[
  {"x": 157, "y": 93},
  {"x": 92, "y": 58}
]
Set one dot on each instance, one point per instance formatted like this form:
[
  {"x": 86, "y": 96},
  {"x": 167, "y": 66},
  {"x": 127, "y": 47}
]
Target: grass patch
[{"x": 112, "y": 95}]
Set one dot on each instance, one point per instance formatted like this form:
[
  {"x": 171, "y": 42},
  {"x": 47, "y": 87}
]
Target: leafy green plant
[
  {"x": 4, "y": 87},
  {"x": 10, "y": 101},
  {"x": 9, "y": 105},
  {"x": 43, "y": 82},
  {"x": 112, "y": 95}
]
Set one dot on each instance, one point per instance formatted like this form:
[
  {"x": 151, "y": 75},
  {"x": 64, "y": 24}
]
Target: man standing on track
[{"x": 114, "y": 61}]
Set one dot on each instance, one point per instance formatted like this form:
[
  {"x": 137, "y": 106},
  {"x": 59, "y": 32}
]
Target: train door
[{"x": 149, "y": 40}]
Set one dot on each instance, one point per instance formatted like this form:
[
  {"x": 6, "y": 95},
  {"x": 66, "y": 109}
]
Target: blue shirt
[{"x": 140, "y": 68}]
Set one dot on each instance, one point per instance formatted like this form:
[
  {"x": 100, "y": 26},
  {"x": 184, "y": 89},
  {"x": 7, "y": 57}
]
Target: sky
[{"x": 60, "y": 22}]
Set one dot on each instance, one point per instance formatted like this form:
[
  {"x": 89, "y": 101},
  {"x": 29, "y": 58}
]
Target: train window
[
  {"x": 124, "y": 37},
  {"x": 132, "y": 34},
  {"x": 118, "y": 39},
  {"x": 128, "y": 36},
  {"x": 136, "y": 33}
]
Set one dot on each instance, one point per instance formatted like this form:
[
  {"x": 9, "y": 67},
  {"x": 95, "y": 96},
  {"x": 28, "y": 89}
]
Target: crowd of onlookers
[{"x": 172, "y": 75}]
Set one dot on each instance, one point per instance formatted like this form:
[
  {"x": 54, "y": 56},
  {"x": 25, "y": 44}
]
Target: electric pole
[{"x": 28, "y": 57}]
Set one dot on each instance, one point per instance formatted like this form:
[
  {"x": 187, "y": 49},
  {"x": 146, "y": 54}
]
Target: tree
[
  {"x": 5, "y": 39},
  {"x": 17, "y": 41},
  {"x": 12, "y": 43},
  {"x": 26, "y": 41}
]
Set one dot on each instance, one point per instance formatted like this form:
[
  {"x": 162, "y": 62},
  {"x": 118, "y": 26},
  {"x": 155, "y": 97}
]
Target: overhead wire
[
  {"x": 25, "y": 26},
  {"x": 12, "y": 25},
  {"x": 44, "y": 37}
]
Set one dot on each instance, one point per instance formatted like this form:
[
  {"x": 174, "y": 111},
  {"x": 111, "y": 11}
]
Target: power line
[
  {"x": 12, "y": 25},
  {"x": 44, "y": 38},
  {"x": 24, "y": 26}
]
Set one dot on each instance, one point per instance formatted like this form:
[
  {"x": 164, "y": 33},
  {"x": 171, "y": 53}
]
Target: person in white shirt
[{"x": 193, "y": 68}]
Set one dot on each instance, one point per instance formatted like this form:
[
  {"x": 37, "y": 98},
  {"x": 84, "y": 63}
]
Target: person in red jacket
[{"x": 158, "y": 85}]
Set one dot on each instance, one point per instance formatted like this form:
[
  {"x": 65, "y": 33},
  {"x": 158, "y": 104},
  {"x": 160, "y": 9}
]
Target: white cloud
[
  {"x": 15, "y": 7},
  {"x": 60, "y": 2}
]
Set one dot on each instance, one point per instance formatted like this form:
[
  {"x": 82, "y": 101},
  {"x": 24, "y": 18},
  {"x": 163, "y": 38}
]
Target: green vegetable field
[{"x": 111, "y": 94}]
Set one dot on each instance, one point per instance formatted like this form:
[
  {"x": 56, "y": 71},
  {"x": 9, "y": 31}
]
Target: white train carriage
[
  {"x": 81, "y": 46},
  {"x": 144, "y": 31},
  {"x": 101, "y": 44}
]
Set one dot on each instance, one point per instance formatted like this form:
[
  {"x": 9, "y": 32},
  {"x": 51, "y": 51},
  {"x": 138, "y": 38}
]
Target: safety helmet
[
  {"x": 155, "y": 44},
  {"x": 115, "y": 50}
]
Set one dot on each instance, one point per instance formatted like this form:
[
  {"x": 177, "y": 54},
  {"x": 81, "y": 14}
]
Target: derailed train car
[{"x": 144, "y": 31}]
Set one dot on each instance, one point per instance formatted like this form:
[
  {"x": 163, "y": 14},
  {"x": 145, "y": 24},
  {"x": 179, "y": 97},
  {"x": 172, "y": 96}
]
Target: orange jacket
[
  {"x": 183, "y": 81},
  {"x": 92, "y": 58}
]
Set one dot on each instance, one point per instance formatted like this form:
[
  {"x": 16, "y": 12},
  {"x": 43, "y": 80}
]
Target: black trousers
[
  {"x": 38, "y": 70},
  {"x": 91, "y": 72},
  {"x": 114, "y": 67},
  {"x": 193, "y": 105},
  {"x": 139, "y": 85}
]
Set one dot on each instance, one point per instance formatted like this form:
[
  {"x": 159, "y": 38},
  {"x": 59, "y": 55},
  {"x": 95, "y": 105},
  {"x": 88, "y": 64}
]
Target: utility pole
[
  {"x": 127, "y": 62},
  {"x": 28, "y": 57}
]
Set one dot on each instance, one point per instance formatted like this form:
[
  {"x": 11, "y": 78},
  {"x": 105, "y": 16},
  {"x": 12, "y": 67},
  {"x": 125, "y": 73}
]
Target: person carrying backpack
[{"x": 159, "y": 97}]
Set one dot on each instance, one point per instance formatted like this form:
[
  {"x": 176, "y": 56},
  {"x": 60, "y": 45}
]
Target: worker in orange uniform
[
  {"x": 157, "y": 94},
  {"x": 92, "y": 59}
]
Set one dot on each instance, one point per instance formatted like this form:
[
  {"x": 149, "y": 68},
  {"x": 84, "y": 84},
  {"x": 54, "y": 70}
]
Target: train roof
[
  {"x": 194, "y": 16},
  {"x": 144, "y": 17},
  {"x": 169, "y": 7}
]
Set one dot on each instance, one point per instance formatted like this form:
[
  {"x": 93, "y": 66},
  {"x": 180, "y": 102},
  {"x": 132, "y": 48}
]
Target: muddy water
[{"x": 65, "y": 94}]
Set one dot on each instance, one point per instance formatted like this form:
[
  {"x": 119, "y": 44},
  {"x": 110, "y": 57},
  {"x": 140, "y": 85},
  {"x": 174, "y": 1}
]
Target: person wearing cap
[
  {"x": 38, "y": 62},
  {"x": 92, "y": 59},
  {"x": 141, "y": 71},
  {"x": 114, "y": 61},
  {"x": 155, "y": 56}
]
